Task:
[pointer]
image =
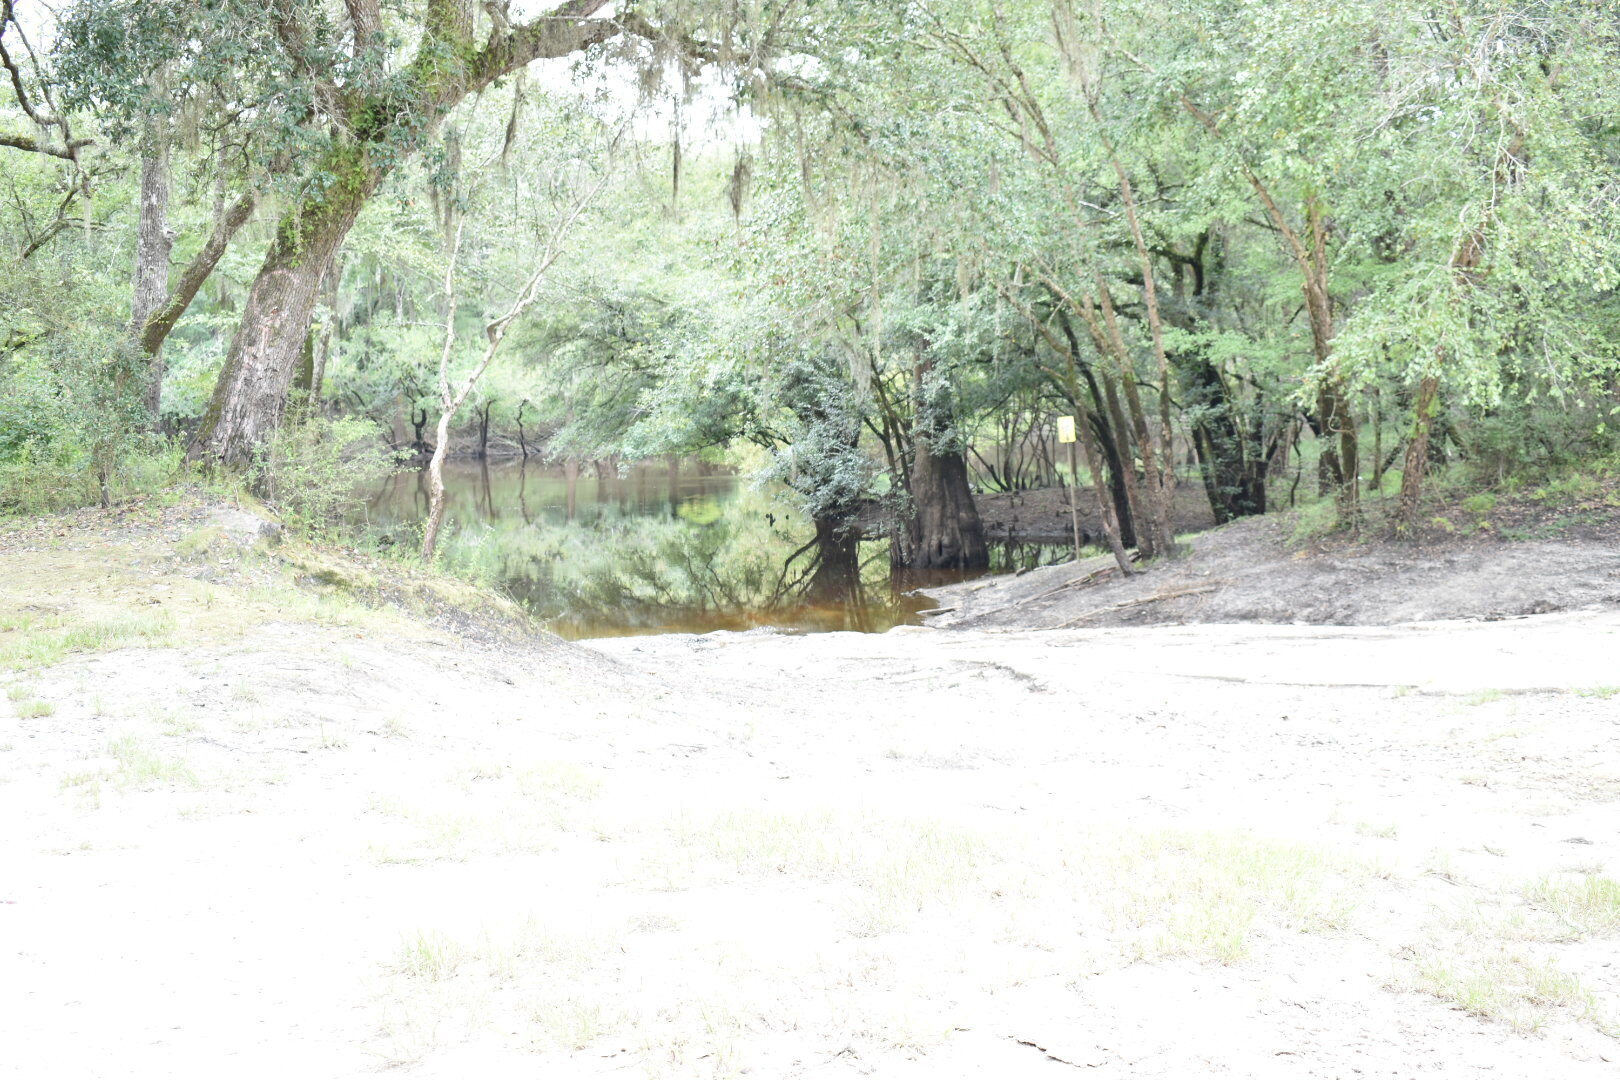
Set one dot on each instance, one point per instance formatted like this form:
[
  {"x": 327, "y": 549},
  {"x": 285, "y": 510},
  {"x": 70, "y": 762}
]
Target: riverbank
[
  {"x": 277, "y": 810},
  {"x": 1473, "y": 558}
]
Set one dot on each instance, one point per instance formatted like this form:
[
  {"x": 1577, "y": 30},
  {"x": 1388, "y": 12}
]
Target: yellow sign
[{"x": 1065, "y": 429}]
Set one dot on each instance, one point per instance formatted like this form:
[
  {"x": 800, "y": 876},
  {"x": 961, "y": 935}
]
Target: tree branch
[
  {"x": 196, "y": 272},
  {"x": 34, "y": 146}
]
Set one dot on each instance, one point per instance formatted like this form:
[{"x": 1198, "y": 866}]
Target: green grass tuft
[
  {"x": 50, "y": 643},
  {"x": 1588, "y": 903}
]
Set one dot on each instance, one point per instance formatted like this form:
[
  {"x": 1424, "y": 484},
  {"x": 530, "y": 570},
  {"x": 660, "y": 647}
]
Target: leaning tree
[{"x": 343, "y": 96}]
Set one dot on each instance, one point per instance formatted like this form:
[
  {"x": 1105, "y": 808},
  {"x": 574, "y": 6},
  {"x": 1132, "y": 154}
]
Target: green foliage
[
  {"x": 315, "y": 472},
  {"x": 73, "y": 423},
  {"x": 895, "y": 245},
  {"x": 1480, "y": 505}
]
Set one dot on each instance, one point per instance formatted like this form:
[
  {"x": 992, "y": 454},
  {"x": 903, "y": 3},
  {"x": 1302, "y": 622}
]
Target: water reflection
[{"x": 677, "y": 545}]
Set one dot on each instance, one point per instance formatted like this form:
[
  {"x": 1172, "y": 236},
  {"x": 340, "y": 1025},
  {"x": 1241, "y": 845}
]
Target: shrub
[
  {"x": 73, "y": 423},
  {"x": 312, "y": 473}
]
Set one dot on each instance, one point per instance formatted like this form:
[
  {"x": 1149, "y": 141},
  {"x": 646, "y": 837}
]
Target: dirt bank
[
  {"x": 258, "y": 828},
  {"x": 1530, "y": 560}
]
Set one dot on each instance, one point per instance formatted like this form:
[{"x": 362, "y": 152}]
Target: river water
[{"x": 671, "y": 546}]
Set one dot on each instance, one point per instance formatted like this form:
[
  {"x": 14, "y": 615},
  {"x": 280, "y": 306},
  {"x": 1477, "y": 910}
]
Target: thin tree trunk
[
  {"x": 1113, "y": 440},
  {"x": 1465, "y": 260},
  {"x": 1160, "y": 533},
  {"x": 156, "y": 329},
  {"x": 494, "y": 334},
  {"x": 1130, "y": 510},
  {"x": 435, "y": 474},
  {"x": 1376, "y": 484},
  {"x": 1343, "y": 462},
  {"x": 152, "y": 247},
  {"x": 1088, "y": 445},
  {"x": 1165, "y": 482},
  {"x": 1144, "y": 511},
  {"x": 1417, "y": 455},
  {"x": 448, "y": 403}
]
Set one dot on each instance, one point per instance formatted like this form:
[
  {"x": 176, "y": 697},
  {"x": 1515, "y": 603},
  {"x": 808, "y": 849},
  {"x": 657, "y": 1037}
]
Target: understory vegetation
[{"x": 872, "y": 254}]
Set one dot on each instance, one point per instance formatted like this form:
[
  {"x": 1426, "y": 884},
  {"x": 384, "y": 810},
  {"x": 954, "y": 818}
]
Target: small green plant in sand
[
  {"x": 1587, "y": 903},
  {"x": 429, "y": 955},
  {"x": 139, "y": 767},
  {"x": 26, "y": 704},
  {"x": 1479, "y": 507},
  {"x": 485, "y": 807},
  {"x": 571, "y": 1024},
  {"x": 1204, "y": 894},
  {"x": 27, "y": 620},
  {"x": 1602, "y": 693},
  {"x": 49, "y": 644},
  {"x": 173, "y": 724},
  {"x": 133, "y": 765},
  {"x": 1502, "y": 982},
  {"x": 895, "y": 866}
]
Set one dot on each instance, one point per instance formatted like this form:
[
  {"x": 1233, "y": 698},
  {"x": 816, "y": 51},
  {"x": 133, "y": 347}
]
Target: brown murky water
[{"x": 676, "y": 546}]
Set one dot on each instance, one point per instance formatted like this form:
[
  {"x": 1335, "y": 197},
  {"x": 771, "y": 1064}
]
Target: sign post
[{"x": 1065, "y": 433}]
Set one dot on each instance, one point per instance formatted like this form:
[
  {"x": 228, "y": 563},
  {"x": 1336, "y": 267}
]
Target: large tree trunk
[
  {"x": 152, "y": 247},
  {"x": 251, "y": 395},
  {"x": 946, "y": 532}
]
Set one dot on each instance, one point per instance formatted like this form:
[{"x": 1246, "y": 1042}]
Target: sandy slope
[
  {"x": 1255, "y": 571},
  {"x": 329, "y": 842}
]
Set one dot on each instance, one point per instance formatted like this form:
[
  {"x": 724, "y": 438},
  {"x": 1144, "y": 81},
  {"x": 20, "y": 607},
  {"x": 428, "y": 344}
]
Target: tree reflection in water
[{"x": 668, "y": 547}]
